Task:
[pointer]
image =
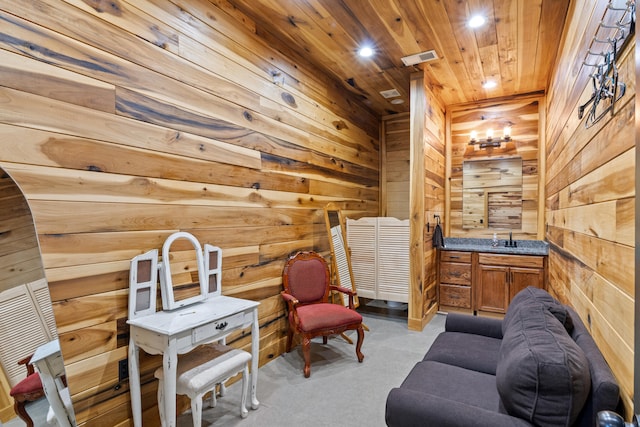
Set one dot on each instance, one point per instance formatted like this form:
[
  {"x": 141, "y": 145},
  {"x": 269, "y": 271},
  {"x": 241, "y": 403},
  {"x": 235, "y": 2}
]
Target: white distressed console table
[{"x": 181, "y": 330}]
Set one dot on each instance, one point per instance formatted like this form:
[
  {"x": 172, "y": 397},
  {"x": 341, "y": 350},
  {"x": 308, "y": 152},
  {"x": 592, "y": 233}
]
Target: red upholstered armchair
[
  {"x": 307, "y": 286},
  {"x": 27, "y": 390}
]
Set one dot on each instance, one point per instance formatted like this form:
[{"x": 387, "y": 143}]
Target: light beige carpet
[{"x": 340, "y": 391}]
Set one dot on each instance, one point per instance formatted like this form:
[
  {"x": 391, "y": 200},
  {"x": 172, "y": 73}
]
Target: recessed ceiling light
[
  {"x": 477, "y": 21},
  {"x": 365, "y": 52},
  {"x": 489, "y": 84},
  {"x": 397, "y": 101}
]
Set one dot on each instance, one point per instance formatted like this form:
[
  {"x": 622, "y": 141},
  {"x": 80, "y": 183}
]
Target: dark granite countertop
[{"x": 524, "y": 247}]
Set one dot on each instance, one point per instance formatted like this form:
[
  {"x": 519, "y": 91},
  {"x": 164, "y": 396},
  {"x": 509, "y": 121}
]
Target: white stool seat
[{"x": 200, "y": 370}]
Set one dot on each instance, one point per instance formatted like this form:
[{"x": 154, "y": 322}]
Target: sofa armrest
[
  {"x": 411, "y": 408},
  {"x": 477, "y": 325}
]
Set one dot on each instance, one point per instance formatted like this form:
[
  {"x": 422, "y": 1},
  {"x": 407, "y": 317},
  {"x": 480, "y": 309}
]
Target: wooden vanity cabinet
[
  {"x": 455, "y": 276},
  {"x": 500, "y": 277},
  {"x": 486, "y": 282}
]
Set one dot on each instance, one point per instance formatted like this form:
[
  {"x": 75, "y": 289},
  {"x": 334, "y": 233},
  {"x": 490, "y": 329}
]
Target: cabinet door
[
  {"x": 493, "y": 288},
  {"x": 523, "y": 277}
]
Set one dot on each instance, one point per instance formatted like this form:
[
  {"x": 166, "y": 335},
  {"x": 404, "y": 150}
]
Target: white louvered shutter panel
[
  {"x": 393, "y": 259},
  {"x": 21, "y": 331},
  {"x": 40, "y": 292},
  {"x": 361, "y": 237}
]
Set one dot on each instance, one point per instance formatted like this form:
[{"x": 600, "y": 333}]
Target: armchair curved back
[{"x": 306, "y": 277}]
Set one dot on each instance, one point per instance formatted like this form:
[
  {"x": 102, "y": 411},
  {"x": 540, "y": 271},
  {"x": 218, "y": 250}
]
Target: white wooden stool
[
  {"x": 66, "y": 401},
  {"x": 200, "y": 370}
]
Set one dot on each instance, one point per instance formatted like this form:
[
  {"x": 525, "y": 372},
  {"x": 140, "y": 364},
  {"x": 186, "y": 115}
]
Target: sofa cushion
[
  {"x": 470, "y": 351},
  {"x": 542, "y": 374},
  {"x": 475, "y": 325},
  {"x": 455, "y": 383},
  {"x": 411, "y": 408},
  {"x": 532, "y": 296}
]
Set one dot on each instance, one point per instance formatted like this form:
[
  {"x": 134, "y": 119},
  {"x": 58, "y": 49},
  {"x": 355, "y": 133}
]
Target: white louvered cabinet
[{"x": 380, "y": 257}]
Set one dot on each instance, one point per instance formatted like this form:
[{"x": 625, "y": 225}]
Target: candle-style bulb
[
  {"x": 506, "y": 132},
  {"x": 489, "y": 134},
  {"x": 474, "y": 135}
]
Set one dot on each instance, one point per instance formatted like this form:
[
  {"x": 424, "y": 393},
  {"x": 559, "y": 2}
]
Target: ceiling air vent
[
  {"x": 391, "y": 93},
  {"x": 429, "y": 55}
]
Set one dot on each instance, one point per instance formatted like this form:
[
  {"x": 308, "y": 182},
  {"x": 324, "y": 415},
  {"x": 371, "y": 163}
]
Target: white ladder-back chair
[{"x": 203, "y": 368}]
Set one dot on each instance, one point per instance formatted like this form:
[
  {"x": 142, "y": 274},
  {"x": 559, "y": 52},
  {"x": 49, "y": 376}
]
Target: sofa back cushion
[
  {"x": 536, "y": 296},
  {"x": 542, "y": 374}
]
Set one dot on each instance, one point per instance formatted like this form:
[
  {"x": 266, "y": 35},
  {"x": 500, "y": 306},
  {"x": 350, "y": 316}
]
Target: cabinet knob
[{"x": 221, "y": 326}]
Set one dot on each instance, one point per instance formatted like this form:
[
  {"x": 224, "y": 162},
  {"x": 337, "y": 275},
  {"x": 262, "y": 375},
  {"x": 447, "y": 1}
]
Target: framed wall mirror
[
  {"x": 492, "y": 194},
  {"x": 340, "y": 256},
  {"x": 27, "y": 323},
  {"x": 183, "y": 280}
]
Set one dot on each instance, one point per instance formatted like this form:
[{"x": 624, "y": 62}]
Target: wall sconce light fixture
[{"x": 490, "y": 141}]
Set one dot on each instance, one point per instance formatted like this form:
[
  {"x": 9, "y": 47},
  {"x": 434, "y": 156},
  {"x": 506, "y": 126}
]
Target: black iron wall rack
[{"x": 613, "y": 33}]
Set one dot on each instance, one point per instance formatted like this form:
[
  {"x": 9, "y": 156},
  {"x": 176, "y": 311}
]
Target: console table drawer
[{"x": 217, "y": 328}]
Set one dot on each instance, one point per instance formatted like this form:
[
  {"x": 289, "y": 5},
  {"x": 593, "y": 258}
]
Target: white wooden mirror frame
[{"x": 166, "y": 282}]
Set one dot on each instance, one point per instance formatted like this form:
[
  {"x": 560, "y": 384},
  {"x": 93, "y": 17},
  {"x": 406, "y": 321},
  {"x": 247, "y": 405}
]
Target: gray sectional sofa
[{"x": 539, "y": 366}]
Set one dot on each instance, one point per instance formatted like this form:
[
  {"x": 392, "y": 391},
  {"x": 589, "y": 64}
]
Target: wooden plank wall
[
  {"x": 434, "y": 190},
  {"x": 523, "y": 113},
  {"x": 427, "y": 164},
  {"x": 126, "y": 121},
  {"x": 395, "y": 174},
  {"x": 591, "y": 196}
]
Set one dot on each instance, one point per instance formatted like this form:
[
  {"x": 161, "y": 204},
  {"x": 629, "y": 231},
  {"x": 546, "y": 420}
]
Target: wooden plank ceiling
[{"x": 515, "y": 48}]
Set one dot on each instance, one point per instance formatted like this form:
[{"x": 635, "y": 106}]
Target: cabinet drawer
[
  {"x": 459, "y": 274},
  {"x": 455, "y": 296},
  {"x": 531, "y": 261},
  {"x": 455, "y": 256}
]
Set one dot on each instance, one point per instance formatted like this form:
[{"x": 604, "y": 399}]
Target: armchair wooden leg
[
  {"x": 22, "y": 413},
  {"x": 289, "y": 339},
  {"x": 306, "y": 351},
  {"x": 359, "y": 344}
]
